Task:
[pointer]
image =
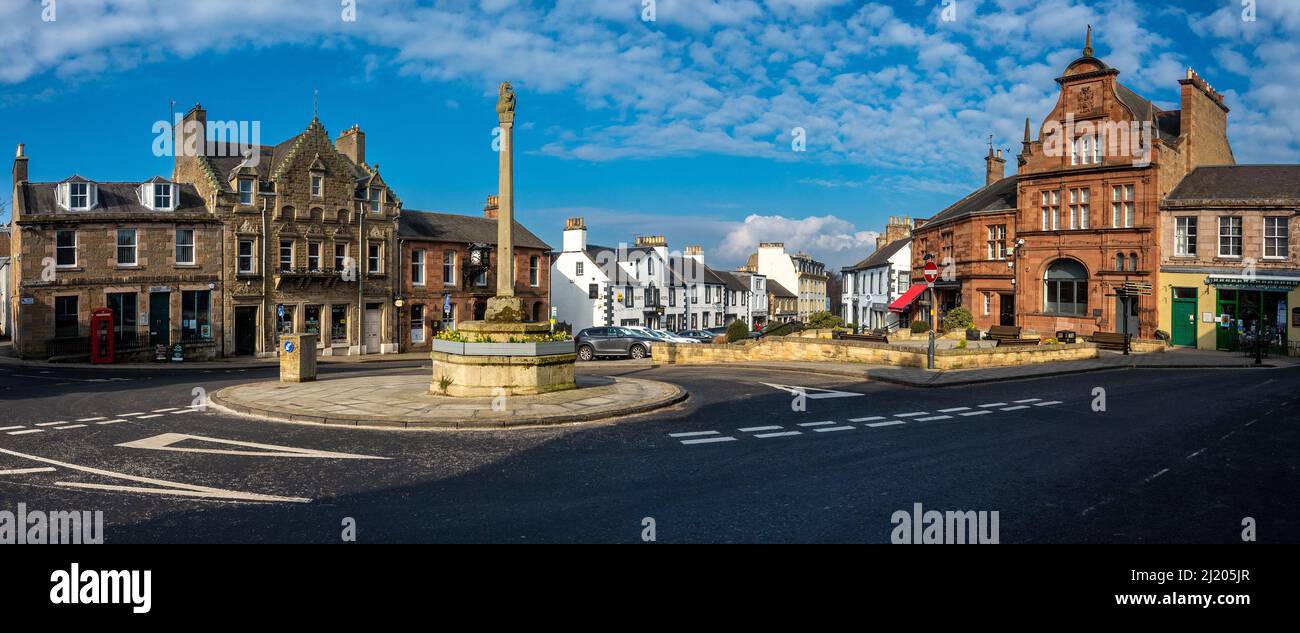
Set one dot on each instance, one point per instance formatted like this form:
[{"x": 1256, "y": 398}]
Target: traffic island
[{"x": 404, "y": 402}]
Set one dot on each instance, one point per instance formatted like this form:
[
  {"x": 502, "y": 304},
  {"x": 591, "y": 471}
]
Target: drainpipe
[
  {"x": 363, "y": 255},
  {"x": 266, "y": 291}
]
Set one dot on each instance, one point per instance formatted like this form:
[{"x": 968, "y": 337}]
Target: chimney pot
[{"x": 21, "y": 151}]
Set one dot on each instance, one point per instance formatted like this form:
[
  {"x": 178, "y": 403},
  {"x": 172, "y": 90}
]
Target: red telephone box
[{"x": 101, "y": 336}]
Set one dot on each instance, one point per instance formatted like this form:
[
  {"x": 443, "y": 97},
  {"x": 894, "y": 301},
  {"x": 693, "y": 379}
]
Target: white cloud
[{"x": 837, "y": 241}]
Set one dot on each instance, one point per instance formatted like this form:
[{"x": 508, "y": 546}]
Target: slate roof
[
  {"x": 730, "y": 279},
  {"x": 464, "y": 229},
  {"x": 1168, "y": 123},
  {"x": 1237, "y": 184},
  {"x": 881, "y": 256},
  {"x": 778, "y": 290},
  {"x": 114, "y": 198},
  {"x": 999, "y": 196}
]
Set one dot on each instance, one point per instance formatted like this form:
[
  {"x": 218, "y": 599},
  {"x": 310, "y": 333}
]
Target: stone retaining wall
[{"x": 819, "y": 350}]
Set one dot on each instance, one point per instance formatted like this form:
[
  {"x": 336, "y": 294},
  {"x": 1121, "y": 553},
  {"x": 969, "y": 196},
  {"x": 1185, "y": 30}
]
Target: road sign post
[{"x": 931, "y": 274}]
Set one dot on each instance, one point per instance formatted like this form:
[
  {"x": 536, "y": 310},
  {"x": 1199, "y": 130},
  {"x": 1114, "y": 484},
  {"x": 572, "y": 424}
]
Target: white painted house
[{"x": 873, "y": 283}]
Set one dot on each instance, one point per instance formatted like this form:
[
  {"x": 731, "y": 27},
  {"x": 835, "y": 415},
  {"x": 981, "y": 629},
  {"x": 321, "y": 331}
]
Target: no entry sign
[{"x": 931, "y": 272}]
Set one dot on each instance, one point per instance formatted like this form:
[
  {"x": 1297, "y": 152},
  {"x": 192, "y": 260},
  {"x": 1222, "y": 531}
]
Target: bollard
[{"x": 297, "y": 357}]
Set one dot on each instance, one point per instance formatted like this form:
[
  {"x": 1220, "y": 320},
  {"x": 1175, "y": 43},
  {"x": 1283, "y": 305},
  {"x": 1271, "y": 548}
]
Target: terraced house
[
  {"x": 149, "y": 251},
  {"x": 309, "y": 228},
  {"x": 1048, "y": 247}
]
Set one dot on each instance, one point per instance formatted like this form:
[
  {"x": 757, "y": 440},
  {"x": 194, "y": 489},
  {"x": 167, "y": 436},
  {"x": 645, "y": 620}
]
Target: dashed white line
[
  {"x": 1195, "y": 454},
  {"x": 164, "y": 410},
  {"x": 26, "y": 471},
  {"x": 976, "y": 413},
  {"x": 11, "y": 428},
  {"x": 1152, "y": 477},
  {"x": 146, "y": 417},
  {"x": 184, "y": 411},
  {"x": 27, "y": 432},
  {"x": 954, "y": 409},
  {"x": 1023, "y": 406},
  {"x": 934, "y": 417},
  {"x": 826, "y": 423},
  {"x": 910, "y": 415},
  {"x": 130, "y": 415},
  {"x": 49, "y": 423},
  {"x": 709, "y": 440},
  {"x": 1028, "y": 400},
  {"x": 70, "y": 426},
  {"x": 92, "y": 419},
  {"x": 1251, "y": 422},
  {"x": 1048, "y": 403},
  {"x": 781, "y": 434},
  {"x": 870, "y": 419},
  {"x": 834, "y": 428},
  {"x": 994, "y": 404},
  {"x": 693, "y": 434},
  {"x": 889, "y": 423},
  {"x": 753, "y": 429},
  {"x": 117, "y": 421},
  {"x": 1228, "y": 435}
]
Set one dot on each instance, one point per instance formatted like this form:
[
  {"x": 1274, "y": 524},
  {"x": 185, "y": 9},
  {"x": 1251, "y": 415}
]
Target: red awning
[{"x": 900, "y": 304}]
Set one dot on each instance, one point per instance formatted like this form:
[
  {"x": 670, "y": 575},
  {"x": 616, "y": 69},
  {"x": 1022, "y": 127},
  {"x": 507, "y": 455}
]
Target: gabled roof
[
  {"x": 1237, "y": 185},
  {"x": 461, "y": 229},
  {"x": 881, "y": 256},
  {"x": 999, "y": 196},
  {"x": 1167, "y": 123},
  {"x": 778, "y": 290},
  {"x": 731, "y": 280}
]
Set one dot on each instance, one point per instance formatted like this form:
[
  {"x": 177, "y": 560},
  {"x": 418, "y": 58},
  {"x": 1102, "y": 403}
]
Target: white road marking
[
  {"x": 27, "y": 432},
  {"x": 813, "y": 393},
  {"x": 954, "y": 409},
  {"x": 709, "y": 440},
  {"x": 890, "y": 423},
  {"x": 92, "y": 419},
  {"x": 130, "y": 415},
  {"x": 164, "y": 410},
  {"x": 692, "y": 434},
  {"x": 146, "y": 417},
  {"x": 975, "y": 413},
  {"x": 1016, "y": 408},
  {"x": 165, "y": 442},
  {"x": 70, "y": 426},
  {"x": 1195, "y": 454},
  {"x": 782, "y": 434},
  {"x": 119, "y": 420},
  {"x": 1149, "y": 479},
  {"x": 184, "y": 411},
  {"x": 910, "y": 415},
  {"x": 169, "y": 487},
  {"x": 26, "y": 471},
  {"x": 1028, "y": 400},
  {"x": 870, "y": 419},
  {"x": 1048, "y": 403},
  {"x": 830, "y": 429},
  {"x": 934, "y": 417},
  {"x": 1229, "y": 434},
  {"x": 11, "y": 428},
  {"x": 752, "y": 429},
  {"x": 1246, "y": 424},
  {"x": 994, "y": 404},
  {"x": 49, "y": 423},
  {"x": 826, "y": 423}
]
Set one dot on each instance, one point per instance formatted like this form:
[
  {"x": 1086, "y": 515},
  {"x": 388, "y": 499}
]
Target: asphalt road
[{"x": 1175, "y": 456}]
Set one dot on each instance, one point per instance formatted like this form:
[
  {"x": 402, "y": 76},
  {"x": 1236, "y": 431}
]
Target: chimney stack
[
  {"x": 352, "y": 143},
  {"x": 20, "y": 165},
  {"x": 575, "y": 235},
  {"x": 191, "y": 138},
  {"x": 651, "y": 240},
  {"x": 994, "y": 167},
  {"x": 492, "y": 207}
]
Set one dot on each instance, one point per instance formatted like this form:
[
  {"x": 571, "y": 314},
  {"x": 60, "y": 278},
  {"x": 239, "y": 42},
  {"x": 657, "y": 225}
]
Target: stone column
[{"x": 506, "y": 193}]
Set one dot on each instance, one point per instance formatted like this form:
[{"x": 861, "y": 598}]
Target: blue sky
[{"x": 680, "y": 126}]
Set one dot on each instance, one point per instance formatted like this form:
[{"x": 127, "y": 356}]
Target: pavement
[
  {"x": 404, "y": 402},
  {"x": 1169, "y": 456},
  {"x": 1108, "y": 360}
]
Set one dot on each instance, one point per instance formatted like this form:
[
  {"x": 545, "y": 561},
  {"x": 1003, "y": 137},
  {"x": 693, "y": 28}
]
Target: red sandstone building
[{"x": 1046, "y": 248}]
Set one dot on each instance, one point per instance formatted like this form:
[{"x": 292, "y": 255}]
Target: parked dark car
[
  {"x": 613, "y": 341},
  {"x": 703, "y": 336}
]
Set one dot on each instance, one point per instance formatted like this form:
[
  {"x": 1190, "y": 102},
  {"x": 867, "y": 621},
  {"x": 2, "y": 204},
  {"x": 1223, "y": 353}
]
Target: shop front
[{"x": 1228, "y": 312}]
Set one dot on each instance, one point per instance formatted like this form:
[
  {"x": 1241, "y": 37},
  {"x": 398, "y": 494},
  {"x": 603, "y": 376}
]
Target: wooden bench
[
  {"x": 1003, "y": 332},
  {"x": 868, "y": 338},
  {"x": 1109, "y": 340},
  {"x": 1008, "y": 342}
]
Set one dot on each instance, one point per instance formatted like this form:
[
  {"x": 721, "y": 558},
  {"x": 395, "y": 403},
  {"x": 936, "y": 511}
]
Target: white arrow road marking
[
  {"x": 165, "y": 442},
  {"x": 168, "y": 487},
  {"x": 813, "y": 393}
]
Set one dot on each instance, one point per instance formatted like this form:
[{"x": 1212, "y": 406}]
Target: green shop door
[
  {"x": 1184, "y": 317},
  {"x": 1226, "y": 337},
  {"x": 160, "y": 318}
]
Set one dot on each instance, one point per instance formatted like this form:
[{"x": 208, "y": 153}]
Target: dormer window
[
  {"x": 78, "y": 195},
  {"x": 317, "y": 185},
  {"x": 246, "y": 191},
  {"x": 158, "y": 195},
  {"x": 162, "y": 196},
  {"x": 376, "y": 195}
]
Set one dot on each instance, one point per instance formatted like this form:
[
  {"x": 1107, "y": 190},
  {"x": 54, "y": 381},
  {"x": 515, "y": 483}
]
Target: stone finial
[
  {"x": 1028, "y": 140},
  {"x": 506, "y": 102},
  {"x": 1087, "y": 45}
]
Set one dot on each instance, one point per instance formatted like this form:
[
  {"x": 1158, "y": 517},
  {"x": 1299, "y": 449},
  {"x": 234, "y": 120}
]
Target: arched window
[
  {"x": 1065, "y": 288},
  {"x": 1119, "y": 261},
  {"x": 1132, "y": 261}
]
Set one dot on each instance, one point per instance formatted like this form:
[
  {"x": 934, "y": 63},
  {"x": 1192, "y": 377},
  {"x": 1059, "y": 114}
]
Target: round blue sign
[{"x": 288, "y": 347}]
